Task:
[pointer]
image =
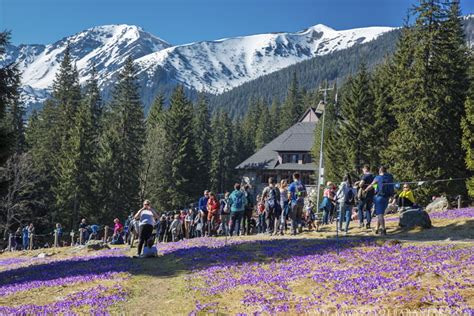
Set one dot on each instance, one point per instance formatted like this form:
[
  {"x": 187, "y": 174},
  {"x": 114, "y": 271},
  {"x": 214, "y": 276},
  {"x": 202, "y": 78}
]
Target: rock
[
  {"x": 439, "y": 204},
  {"x": 414, "y": 218},
  {"x": 96, "y": 245},
  {"x": 44, "y": 255}
]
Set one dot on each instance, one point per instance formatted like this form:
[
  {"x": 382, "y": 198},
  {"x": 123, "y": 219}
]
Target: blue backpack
[
  {"x": 387, "y": 188},
  {"x": 239, "y": 201}
]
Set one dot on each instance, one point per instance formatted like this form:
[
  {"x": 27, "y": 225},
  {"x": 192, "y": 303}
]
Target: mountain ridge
[{"x": 210, "y": 66}]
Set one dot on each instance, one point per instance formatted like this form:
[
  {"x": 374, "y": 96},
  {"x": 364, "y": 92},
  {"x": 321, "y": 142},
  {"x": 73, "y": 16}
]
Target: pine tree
[
  {"x": 263, "y": 133},
  {"x": 249, "y": 126},
  {"x": 156, "y": 111},
  {"x": 122, "y": 142},
  {"x": 222, "y": 167},
  {"x": 292, "y": 108},
  {"x": 384, "y": 120},
  {"x": 429, "y": 95},
  {"x": 9, "y": 94},
  {"x": 178, "y": 126},
  {"x": 275, "y": 113},
  {"x": 356, "y": 130},
  {"x": 468, "y": 131},
  {"x": 202, "y": 136}
]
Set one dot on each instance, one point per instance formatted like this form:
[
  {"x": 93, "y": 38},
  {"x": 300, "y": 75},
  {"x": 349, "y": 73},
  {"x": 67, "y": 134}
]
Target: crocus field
[{"x": 315, "y": 273}]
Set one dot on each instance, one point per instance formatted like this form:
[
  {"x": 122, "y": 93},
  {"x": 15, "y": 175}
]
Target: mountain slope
[{"x": 211, "y": 66}]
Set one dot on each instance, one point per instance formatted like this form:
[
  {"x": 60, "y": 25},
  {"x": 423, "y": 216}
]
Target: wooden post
[
  {"x": 10, "y": 236},
  {"x": 72, "y": 238},
  {"x": 81, "y": 236},
  {"x": 459, "y": 201},
  {"x": 31, "y": 241},
  {"x": 56, "y": 238},
  {"x": 106, "y": 233}
]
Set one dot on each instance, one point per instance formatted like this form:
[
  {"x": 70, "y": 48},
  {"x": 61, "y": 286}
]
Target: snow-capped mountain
[
  {"x": 217, "y": 66},
  {"x": 211, "y": 66}
]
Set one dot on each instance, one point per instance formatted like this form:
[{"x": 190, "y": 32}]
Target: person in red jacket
[{"x": 212, "y": 212}]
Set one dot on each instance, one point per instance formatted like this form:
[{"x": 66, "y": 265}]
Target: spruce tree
[
  {"x": 178, "y": 126},
  {"x": 429, "y": 95},
  {"x": 9, "y": 94},
  {"x": 263, "y": 133},
  {"x": 275, "y": 113},
  {"x": 292, "y": 108},
  {"x": 156, "y": 111},
  {"x": 122, "y": 142},
  {"x": 202, "y": 137},
  {"x": 468, "y": 131},
  {"x": 356, "y": 132},
  {"x": 222, "y": 167}
]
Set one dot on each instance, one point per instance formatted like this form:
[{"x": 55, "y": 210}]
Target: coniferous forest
[{"x": 83, "y": 157}]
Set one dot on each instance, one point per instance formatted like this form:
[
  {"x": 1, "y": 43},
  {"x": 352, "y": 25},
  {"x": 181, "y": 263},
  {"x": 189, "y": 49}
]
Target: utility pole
[{"x": 320, "y": 173}]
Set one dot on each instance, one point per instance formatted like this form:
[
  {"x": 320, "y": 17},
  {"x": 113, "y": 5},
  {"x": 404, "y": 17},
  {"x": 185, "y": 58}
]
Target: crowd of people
[{"x": 281, "y": 208}]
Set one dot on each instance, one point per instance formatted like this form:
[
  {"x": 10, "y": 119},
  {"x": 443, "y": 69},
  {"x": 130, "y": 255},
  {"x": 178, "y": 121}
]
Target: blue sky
[{"x": 184, "y": 21}]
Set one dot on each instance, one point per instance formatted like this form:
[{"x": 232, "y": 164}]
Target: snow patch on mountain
[{"x": 211, "y": 66}]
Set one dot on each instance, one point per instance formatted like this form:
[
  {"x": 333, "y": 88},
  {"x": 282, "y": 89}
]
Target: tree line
[
  {"x": 82, "y": 157},
  {"x": 414, "y": 112}
]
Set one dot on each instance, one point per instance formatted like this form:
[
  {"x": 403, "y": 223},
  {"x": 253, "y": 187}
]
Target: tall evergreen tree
[
  {"x": 222, "y": 167},
  {"x": 178, "y": 126},
  {"x": 9, "y": 84},
  {"x": 429, "y": 95},
  {"x": 122, "y": 142},
  {"x": 275, "y": 113},
  {"x": 355, "y": 134},
  {"x": 202, "y": 136},
  {"x": 468, "y": 131},
  {"x": 264, "y": 128},
  {"x": 292, "y": 108}
]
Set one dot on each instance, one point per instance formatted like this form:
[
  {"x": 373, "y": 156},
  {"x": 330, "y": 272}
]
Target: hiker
[
  {"x": 346, "y": 198},
  {"x": 83, "y": 231},
  {"x": 406, "y": 197},
  {"x": 202, "y": 206},
  {"x": 225, "y": 213},
  {"x": 18, "y": 240},
  {"x": 188, "y": 221},
  {"x": 93, "y": 231},
  {"x": 175, "y": 228},
  {"x": 150, "y": 250},
  {"x": 366, "y": 199},
  {"x": 285, "y": 208},
  {"x": 271, "y": 197},
  {"x": 212, "y": 213},
  {"x": 59, "y": 230},
  {"x": 261, "y": 224},
  {"x": 328, "y": 203},
  {"x": 163, "y": 228},
  {"x": 25, "y": 236},
  {"x": 248, "y": 210},
  {"x": 237, "y": 200},
  {"x": 296, "y": 195},
  {"x": 147, "y": 216},
  {"x": 385, "y": 189}
]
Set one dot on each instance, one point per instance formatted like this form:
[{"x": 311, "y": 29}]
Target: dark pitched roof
[{"x": 299, "y": 137}]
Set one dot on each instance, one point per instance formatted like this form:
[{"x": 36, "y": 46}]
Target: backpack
[
  {"x": 272, "y": 198},
  {"x": 387, "y": 187},
  {"x": 300, "y": 192},
  {"x": 238, "y": 200},
  {"x": 224, "y": 207},
  {"x": 349, "y": 198}
]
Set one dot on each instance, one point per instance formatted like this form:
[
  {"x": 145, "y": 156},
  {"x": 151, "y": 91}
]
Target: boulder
[
  {"x": 439, "y": 204},
  {"x": 410, "y": 218},
  {"x": 96, "y": 245}
]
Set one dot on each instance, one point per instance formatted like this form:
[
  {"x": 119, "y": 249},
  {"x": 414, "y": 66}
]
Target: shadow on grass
[
  {"x": 179, "y": 257},
  {"x": 185, "y": 256}
]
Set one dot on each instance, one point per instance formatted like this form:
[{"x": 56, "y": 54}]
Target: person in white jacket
[
  {"x": 346, "y": 198},
  {"x": 176, "y": 228}
]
